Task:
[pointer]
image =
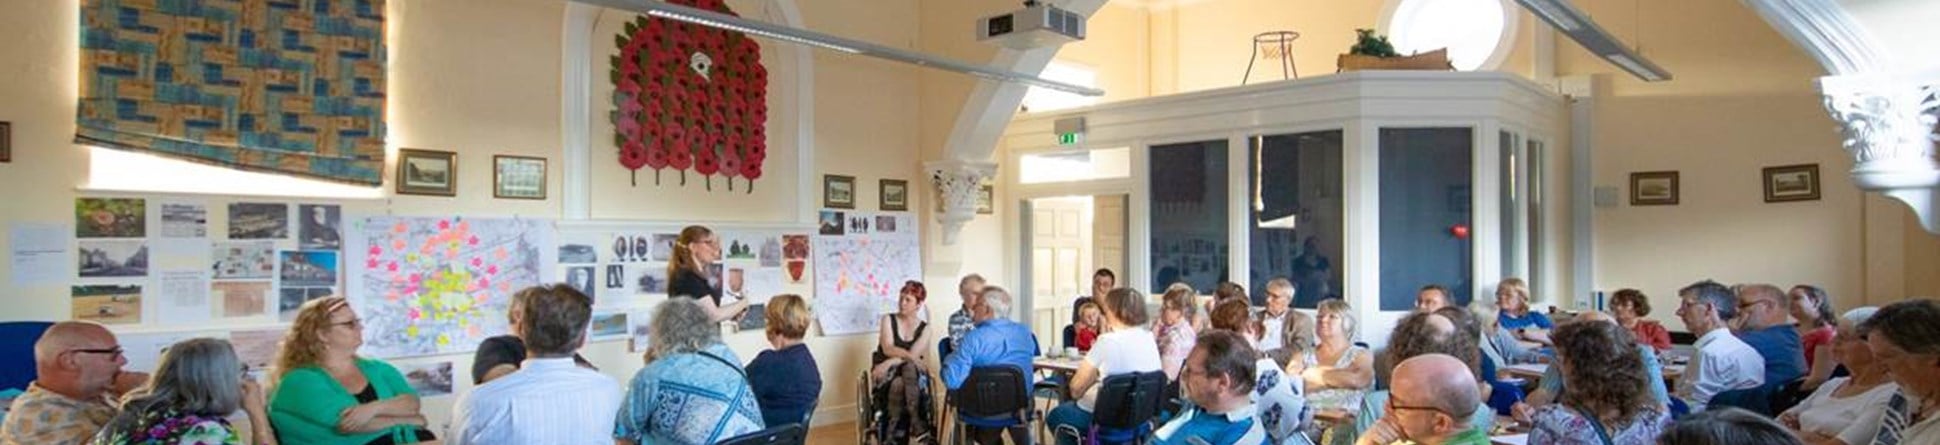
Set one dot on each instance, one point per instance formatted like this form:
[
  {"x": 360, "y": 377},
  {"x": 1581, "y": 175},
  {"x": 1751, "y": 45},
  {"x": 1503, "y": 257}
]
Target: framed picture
[
  {"x": 518, "y": 177},
  {"x": 1792, "y": 183},
  {"x": 986, "y": 194},
  {"x": 838, "y": 191},
  {"x": 6, "y": 142},
  {"x": 427, "y": 172},
  {"x": 895, "y": 195},
  {"x": 1653, "y": 188}
]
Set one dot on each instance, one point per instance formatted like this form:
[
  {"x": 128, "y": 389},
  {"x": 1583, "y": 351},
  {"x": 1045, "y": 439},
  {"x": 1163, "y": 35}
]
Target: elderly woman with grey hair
[
  {"x": 693, "y": 390},
  {"x": 1845, "y": 410},
  {"x": 1905, "y": 336},
  {"x": 197, "y": 384}
]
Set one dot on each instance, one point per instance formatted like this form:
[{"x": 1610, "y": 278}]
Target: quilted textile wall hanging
[
  {"x": 282, "y": 86},
  {"x": 690, "y": 97}
]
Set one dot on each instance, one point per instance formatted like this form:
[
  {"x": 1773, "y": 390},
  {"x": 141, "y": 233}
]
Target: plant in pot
[{"x": 1374, "y": 52}]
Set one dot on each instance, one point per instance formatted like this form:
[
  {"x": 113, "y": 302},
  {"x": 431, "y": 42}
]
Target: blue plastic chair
[{"x": 17, "y": 352}]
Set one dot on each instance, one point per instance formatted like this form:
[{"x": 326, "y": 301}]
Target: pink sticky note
[{"x": 444, "y": 225}]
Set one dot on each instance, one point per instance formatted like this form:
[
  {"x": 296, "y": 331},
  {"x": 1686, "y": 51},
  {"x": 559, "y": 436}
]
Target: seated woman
[
  {"x": 692, "y": 390},
  {"x": 1283, "y": 412},
  {"x": 1512, "y": 297},
  {"x": 1125, "y": 347},
  {"x": 1607, "y": 403},
  {"x": 1339, "y": 372},
  {"x": 1813, "y": 309},
  {"x": 501, "y": 355},
  {"x": 901, "y": 373},
  {"x": 1499, "y": 346},
  {"x": 1845, "y": 410},
  {"x": 197, "y": 384},
  {"x": 785, "y": 379},
  {"x": 1176, "y": 335},
  {"x": 326, "y": 394},
  {"x": 1630, "y": 306}
]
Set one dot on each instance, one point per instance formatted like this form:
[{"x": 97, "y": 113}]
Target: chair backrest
[
  {"x": 943, "y": 348},
  {"x": 17, "y": 352},
  {"x": 808, "y": 417},
  {"x": 790, "y": 434},
  {"x": 1127, "y": 400},
  {"x": 993, "y": 392}
]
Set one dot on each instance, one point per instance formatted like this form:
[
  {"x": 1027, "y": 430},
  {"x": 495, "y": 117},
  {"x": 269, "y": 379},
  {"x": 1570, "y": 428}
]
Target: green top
[
  {"x": 306, "y": 404},
  {"x": 1470, "y": 437}
]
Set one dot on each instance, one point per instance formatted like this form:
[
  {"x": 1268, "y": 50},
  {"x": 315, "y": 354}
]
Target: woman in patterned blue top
[{"x": 693, "y": 390}]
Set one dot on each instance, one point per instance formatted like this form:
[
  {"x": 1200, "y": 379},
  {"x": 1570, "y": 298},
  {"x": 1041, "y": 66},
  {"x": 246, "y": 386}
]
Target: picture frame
[
  {"x": 1787, "y": 183},
  {"x": 518, "y": 177},
  {"x": 6, "y": 142},
  {"x": 986, "y": 198},
  {"x": 894, "y": 195},
  {"x": 1654, "y": 188},
  {"x": 838, "y": 191},
  {"x": 427, "y": 172}
]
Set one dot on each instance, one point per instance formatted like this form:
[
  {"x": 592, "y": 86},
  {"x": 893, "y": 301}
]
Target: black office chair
[
  {"x": 1127, "y": 404},
  {"x": 790, "y": 434},
  {"x": 992, "y": 393}
]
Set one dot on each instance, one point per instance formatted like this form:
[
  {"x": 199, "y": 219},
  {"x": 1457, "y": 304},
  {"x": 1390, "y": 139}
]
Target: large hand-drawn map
[
  {"x": 441, "y": 285},
  {"x": 859, "y": 271}
]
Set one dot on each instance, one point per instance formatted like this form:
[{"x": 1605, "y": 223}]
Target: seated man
[
  {"x": 1430, "y": 403},
  {"x": 996, "y": 341},
  {"x": 1218, "y": 378},
  {"x": 1765, "y": 324},
  {"x": 1723, "y": 362},
  {"x": 80, "y": 379},
  {"x": 549, "y": 399}
]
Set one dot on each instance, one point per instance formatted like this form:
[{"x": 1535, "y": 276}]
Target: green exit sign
[{"x": 1069, "y": 138}]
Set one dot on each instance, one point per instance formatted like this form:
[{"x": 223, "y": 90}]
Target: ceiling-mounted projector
[{"x": 1035, "y": 26}]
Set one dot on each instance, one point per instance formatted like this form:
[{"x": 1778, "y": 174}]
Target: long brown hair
[
  {"x": 683, "y": 257},
  {"x": 1605, "y": 373},
  {"x": 303, "y": 344}
]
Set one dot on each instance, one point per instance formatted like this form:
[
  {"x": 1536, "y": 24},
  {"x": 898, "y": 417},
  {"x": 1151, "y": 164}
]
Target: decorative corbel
[
  {"x": 1889, "y": 125},
  {"x": 958, "y": 182}
]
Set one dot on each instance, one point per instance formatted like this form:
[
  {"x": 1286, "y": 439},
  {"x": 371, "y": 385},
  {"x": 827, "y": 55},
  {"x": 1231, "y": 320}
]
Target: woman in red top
[
  {"x": 1630, "y": 306},
  {"x": 1813, "y": 309}
]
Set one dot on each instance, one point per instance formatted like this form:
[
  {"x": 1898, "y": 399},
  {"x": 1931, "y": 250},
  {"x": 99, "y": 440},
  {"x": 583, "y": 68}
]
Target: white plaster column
[{"x": 959, "y": 181}]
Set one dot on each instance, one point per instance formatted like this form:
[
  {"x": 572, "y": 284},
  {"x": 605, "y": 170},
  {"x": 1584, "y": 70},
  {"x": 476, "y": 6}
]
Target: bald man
[
  {"x": 1764, "y": 322},
  {"x": 80, "y": 375},
  {"x": 1431, "y": 402}
]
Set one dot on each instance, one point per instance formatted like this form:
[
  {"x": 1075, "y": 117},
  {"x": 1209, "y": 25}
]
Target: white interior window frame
[{"x": 1505, "y": 43}]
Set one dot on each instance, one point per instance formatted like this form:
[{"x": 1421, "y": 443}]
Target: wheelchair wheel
[{"x": 863, "y": 410}]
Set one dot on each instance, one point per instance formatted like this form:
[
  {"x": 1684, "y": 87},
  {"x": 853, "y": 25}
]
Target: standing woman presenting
[{"x": 696, "y": 248}]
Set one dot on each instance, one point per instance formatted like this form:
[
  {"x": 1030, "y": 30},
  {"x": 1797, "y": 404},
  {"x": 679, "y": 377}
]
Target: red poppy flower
[
  {"x": 657, "y": 159},
  {"x": 633, "y": 156}
]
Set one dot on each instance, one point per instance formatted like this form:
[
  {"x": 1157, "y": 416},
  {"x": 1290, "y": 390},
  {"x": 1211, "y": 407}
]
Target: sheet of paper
[
  {"x": 144, "y": 350},
  {"x": 40, "y": 253},
  {"x": 182, "y": 297},
  {"x": 1512, "y": 439}
]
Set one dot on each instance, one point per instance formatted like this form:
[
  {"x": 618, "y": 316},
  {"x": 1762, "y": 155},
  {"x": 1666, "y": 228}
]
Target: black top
[
  {"x": 505, "y": 350},
  {"x": 896, "y": 337},
  {"x": 689, "y": 283},
  {"x": 368, "y": 395}
]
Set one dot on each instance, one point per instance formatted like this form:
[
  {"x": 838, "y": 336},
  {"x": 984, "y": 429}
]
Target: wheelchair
[{"x": 872, "y": 414}]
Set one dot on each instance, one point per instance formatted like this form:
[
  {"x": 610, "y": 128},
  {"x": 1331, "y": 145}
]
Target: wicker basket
[{"x": 1436, "y": 60}]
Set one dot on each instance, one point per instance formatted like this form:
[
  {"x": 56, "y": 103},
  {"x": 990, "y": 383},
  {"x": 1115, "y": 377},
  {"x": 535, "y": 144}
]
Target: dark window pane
[
  {"x": 1296, "y": 210},
  {"x": 1189, "y": 230},
  {"x": 1425, "y": 188}
]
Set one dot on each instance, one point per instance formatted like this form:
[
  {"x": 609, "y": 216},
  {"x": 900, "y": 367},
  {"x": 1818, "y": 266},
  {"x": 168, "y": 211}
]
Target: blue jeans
[{"x": 1069, "y": 415}]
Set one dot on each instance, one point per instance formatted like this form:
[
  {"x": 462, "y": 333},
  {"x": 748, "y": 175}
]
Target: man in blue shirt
[
  {"x": 996, "y": 341},
  {"x": 1762, "y": 323},
  {"x": 1218, "y": 378}
]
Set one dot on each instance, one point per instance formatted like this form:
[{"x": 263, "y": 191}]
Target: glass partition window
[
  {"x": 1296, "y": 210},
  {"x": 1079, "y": 165},
  {"x": 1511, "y": 181},
  {"x": 1189, "y": 215},
  {"x": 1425, "y": 177}
]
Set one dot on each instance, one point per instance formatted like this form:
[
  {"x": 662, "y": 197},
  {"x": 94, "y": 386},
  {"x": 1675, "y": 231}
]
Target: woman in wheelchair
[{"x": 899, "y": 381}]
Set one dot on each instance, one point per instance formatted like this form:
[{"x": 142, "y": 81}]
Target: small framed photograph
[
  {"x": 895, "y": 195},
  {"x": 518, "y": 177},
  {"x": 1792, "y": 183},
  {"x": 986, "y": 196},
  {"x": 1653, "y": 188},
  {"x": 427, "y": 172},
  {"x": 838, "y": 191},
  {"x": 6, "y": 142}
]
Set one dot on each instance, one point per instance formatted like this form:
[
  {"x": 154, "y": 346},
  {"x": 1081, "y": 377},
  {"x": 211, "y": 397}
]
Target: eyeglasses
[
  {"x": 1748, "y": 305},
  {"x": 114, "y": 351},
  {"x": 1394, "y": 407}
]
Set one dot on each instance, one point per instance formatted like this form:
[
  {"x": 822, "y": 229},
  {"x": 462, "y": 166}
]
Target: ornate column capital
[
  {"x": 958, "y": 181},
  {"x": 1889, "y": 123}
]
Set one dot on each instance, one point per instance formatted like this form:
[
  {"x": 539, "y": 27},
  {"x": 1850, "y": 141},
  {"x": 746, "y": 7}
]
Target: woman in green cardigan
[{"x": 326, "y": 395}]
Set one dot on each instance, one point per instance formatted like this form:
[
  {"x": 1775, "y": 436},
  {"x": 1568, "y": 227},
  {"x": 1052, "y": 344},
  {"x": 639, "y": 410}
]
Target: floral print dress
[
  {"x": 1562, "y": 425},
  {"x": 159, "y": 427}
]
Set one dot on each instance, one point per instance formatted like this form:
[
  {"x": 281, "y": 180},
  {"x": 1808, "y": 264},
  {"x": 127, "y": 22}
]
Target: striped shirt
[
  {"x": 1198, "y": 427},
  {"x": 549, "y": 400}
]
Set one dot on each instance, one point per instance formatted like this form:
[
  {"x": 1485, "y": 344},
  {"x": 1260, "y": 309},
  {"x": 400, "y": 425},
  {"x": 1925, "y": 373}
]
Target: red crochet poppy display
[{"x": 690, "y": 97}]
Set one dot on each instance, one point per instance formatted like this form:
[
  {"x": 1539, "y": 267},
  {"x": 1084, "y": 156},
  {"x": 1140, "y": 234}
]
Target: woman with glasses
[
  {"x": 325, "y": 394},
  {"x": 1845, "y": 410},
  {"x": 197, "y": 384},
  {"x": 693, "y": 251},
  {"x": 1905, "y": 337},
  {"x": 1607, "y": 402}
]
